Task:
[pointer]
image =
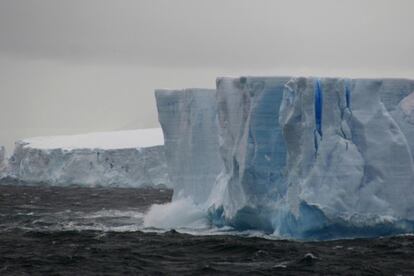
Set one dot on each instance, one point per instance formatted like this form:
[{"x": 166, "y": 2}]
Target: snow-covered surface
[
  {"x": 125, "y": 158},
  {"x": 303, "y": 157},
  {"x": 139, "y": 138}
]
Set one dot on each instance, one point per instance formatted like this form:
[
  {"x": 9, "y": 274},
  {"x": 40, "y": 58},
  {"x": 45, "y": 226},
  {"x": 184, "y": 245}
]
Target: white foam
[
  {"x": 114, "y": 214},
  {"x": 182, "y": 213}
]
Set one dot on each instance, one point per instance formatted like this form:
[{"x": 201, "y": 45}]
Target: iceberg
[
  {"x": 131, "y": 158},
  {"x": 3, "y": 162},
  {"x": 253, "y": 151},
  {"x": 358, "y": 178},
  {"x": 189, "y": 122},
  {"x": 300, "y": 157}
]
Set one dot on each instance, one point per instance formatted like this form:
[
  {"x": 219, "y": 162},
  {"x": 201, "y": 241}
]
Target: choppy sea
[{"x": 99, "y": 231}]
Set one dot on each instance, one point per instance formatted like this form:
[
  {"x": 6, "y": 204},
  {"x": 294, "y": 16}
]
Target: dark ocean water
[{"x": 98, "y": 231}]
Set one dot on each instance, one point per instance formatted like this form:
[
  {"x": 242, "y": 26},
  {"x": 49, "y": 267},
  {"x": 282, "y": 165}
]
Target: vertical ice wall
[
  {"x": 132, "y": 158},
  {"x": 189, "y": 122},
  {"x": 134, "y": 167},
  {"x": 363, "y": 169},
  {"x": 300, "y": 157},
  {"x": 253, "y": 150},
  {"x": 303, "y": 156},
  {"x": 400, "y": 106}
]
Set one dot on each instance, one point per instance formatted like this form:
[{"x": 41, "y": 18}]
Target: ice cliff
[
  {"x": 300, "y": 157},
  {"x": 189, "y": 121},
  {"x": 125, "y": 158}
]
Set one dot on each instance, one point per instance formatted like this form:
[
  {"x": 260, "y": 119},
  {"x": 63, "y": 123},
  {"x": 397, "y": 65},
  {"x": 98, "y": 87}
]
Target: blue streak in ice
[
  {"x": 318, "y": 107},
  {"x": 348, "y": 97}
]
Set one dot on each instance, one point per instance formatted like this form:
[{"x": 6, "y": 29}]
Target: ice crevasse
[{"x": 298, "y": 157}]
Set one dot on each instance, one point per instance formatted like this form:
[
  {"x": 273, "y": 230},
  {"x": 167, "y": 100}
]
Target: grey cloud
[
  {"x": 70, "y": 66},
  {"x": 254, "y": 33}
]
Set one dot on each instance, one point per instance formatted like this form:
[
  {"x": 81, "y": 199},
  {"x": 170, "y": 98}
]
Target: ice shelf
[{"x": 131, "y": 158}]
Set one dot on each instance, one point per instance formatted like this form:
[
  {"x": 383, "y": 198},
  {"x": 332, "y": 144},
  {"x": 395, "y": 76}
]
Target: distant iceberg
[
  {"x": 131, "y": 158},
  {"x": 297, "y": 157},
  {"x": 3, "y": 162}
]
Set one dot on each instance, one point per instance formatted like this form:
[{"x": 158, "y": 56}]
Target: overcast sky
[{"x": 92, "y": 65}]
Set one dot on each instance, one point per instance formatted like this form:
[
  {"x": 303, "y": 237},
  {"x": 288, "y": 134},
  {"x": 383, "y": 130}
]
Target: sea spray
[{"x": 181, "y": 213}]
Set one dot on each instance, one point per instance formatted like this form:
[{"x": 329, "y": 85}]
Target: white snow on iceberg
[{"x": 126, "y": 139}]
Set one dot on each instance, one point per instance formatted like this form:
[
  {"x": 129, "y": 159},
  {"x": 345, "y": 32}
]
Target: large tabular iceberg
[
  {"x": 125, "y": 158},
  {"x": 306, "y": 157}
]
